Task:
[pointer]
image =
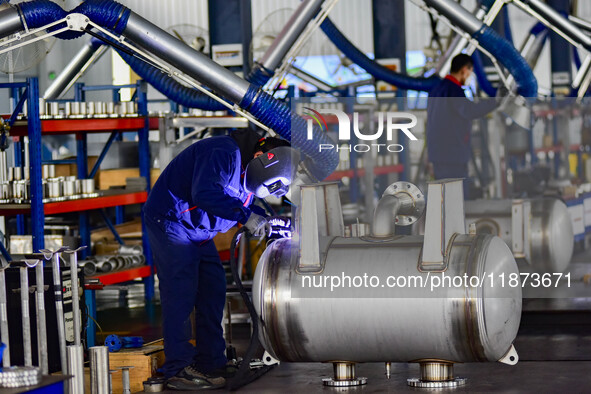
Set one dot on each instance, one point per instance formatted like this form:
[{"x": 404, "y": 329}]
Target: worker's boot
[{"x": 189, "y": 379}]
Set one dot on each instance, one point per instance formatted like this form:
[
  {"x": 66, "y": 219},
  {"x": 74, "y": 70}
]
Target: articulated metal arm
[{"x": 159, "y": 42}]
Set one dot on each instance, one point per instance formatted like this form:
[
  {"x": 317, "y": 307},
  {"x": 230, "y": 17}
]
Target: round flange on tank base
[
  {"x": 436, "y": 374},
  {"x": 330, "y": 382},
  {"x": 456, "y": 382},
  {"x": 344, "y": 376}
]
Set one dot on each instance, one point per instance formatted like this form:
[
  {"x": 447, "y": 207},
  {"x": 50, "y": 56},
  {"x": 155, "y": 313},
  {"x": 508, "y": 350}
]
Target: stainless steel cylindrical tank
[
  {"x": 551, "y": 233},
  {"x": 372, "y": 324}
]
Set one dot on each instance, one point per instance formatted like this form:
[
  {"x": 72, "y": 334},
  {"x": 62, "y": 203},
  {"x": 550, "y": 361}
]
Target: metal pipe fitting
[
  {"x": 401, "y": 204},
  {"x": 88, "y": 266}
]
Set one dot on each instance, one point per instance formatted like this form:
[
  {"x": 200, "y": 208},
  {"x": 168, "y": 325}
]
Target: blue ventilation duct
[
  {"x": 371, "y": 66},
  {"x": 177, "y": 92},
  {"x": 507, "y": 55}
]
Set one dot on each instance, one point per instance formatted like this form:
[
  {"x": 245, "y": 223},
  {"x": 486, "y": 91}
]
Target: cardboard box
[
  {"x": 132, "y": 229},
  {"x": 72, "y": 169},
  {"x": 145, "y": 361},
  {"x": 117, "y": 177}
]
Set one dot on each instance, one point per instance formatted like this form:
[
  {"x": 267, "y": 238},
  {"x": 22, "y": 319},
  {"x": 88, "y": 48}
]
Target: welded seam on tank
[{"x": 472, "y": 303}]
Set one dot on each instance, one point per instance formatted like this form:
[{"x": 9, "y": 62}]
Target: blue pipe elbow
[
  {"x": 276, "y": 115},
  {"x": 106, "y": 13},
  {"x": 507, "y": 55}
]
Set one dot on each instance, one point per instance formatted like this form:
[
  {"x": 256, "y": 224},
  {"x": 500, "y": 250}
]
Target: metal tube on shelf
[
  {"x": 87, "y": 186},
  {"x": 135, "y": 261},
  {"x": 99, "y": 370},
  {"x": 3, "y": 167},
  {"x": 90, "y": 109},
  {"x": 130, "y": 249},
  {"x": 18, "y": 173},
  {"x": 25, "y": 317},
  {"x": 88, "y": 266},
  {"x": 27, "y": 166},
  {"x": 4, "y": 319},
  {"x": 59, "y": 308},
  {"x": 42, "y": 352},
  {"x": 104, "y": 266},
  {"x": 45, "y": 171},
  {"x": 75, "y": 369},
  {"x": 116, "y": 263},
  {"x": 54, "y": 109},
  {"x": 69, "y": 188}
]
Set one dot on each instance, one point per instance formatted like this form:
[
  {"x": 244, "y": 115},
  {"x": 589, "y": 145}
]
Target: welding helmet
[{"x": 272, "y": 172}]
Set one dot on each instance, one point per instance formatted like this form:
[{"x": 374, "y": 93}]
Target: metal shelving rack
[{"x": 35, "y": 127}]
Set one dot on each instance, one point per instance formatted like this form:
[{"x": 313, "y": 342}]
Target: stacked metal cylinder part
[
  {"x": 15, "y": 186},
  {"x": 127, "y": 257},
  {"x": 83, "y": 110},
  {"x": 64, "y": 188}
]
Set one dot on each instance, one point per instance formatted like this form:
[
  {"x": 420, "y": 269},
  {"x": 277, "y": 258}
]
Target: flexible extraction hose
[
  {"x": 243, "y": 376},
  {"x": 479, "y": 71},
  {"x": 177, "y": 92},
  {"x": 107, "y": 13},
  {"x": 489, "y": 40},
  {"x": 371, "y": 66}
]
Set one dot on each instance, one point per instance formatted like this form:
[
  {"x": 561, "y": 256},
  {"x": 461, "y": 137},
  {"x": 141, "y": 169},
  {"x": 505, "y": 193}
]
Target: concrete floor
[{"x": 553, "y": 343}]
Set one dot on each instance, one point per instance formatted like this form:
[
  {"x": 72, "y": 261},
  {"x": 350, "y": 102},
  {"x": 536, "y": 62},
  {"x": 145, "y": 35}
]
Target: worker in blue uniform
[
  {"x": 199, "y": 194},
  {"x": 449, "y": 122}
]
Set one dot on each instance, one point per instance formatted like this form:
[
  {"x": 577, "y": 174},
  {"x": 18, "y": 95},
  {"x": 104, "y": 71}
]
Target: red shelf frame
[
  {"x": 84, "y": 204},
  {"x": 90, "y": 125},
  {"x": 111, "y": 278},
  {"x": 337, "y": 175}
]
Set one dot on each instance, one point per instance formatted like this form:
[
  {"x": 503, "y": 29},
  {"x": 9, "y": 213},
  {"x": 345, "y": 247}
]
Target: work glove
[
  {"x": 257, "y": 225},
  {"x": 280, "y": 227}
]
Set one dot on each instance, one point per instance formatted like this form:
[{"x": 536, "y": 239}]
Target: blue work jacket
[
  {"x": 449, "y": 122},
  {"x": 201, "y": 188}
]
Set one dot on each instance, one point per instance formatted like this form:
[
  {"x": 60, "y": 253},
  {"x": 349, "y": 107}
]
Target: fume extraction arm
[{"x": 155, "y": 45}]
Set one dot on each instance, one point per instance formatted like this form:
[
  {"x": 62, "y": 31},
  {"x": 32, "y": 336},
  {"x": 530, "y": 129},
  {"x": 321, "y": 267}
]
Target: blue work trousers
[{"x": 191, "y": 277}]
